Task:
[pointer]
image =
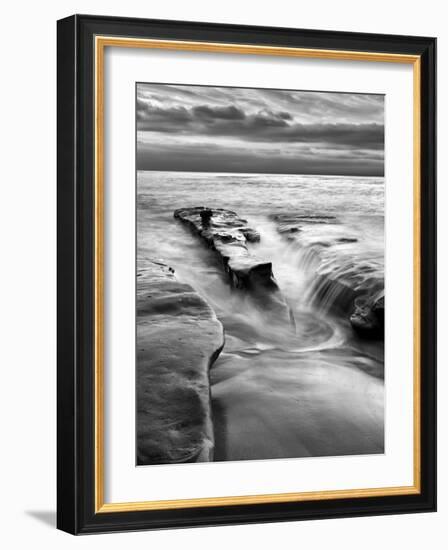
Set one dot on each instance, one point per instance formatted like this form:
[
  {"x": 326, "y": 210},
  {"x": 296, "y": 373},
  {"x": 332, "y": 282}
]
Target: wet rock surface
[
  {"x": 290, "y": 223},
  {"x": 343, "y": 280},
  {"x": 228, "y": 235},
  {"x": 178, "y": 339},
  {"x": 367, "y": 317}
]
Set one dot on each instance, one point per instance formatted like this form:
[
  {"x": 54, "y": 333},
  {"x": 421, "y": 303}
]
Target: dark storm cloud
[
  {"x": 234, "y": 129},
  {"x": 158, "y": 117},
  {"x": 359, "y": 135},
  {"x": 217, "y": 159},
  {"x": 205, "y": 112},
  {"x": 262, "y": 126}
]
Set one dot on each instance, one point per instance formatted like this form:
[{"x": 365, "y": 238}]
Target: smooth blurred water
[
  {"x": 264, "y": 193},
  {"x": 313, "y": 391}
]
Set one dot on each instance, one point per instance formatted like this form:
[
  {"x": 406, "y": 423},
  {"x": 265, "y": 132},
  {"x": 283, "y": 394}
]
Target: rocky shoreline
[
  {"x": 355, "y": 290},
  {"x": 178, "y": 338},
  {"x": 228, "y": 236}
]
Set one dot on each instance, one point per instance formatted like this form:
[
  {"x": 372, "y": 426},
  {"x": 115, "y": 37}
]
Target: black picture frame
[{"x": 76, "y": 512}]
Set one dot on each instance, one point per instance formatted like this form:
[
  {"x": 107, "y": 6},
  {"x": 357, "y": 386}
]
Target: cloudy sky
[{"x": 217, "y": 129}]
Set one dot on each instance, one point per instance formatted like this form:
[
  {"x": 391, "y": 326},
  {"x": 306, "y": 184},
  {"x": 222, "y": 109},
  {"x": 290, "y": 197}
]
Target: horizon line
[{"x": 263, "y": 173}]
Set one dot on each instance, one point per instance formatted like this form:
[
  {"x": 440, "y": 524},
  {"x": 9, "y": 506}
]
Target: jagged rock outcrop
[
  {"x": 178, "y": 338},
  {"x": 290, "y": 225},
  {"x": 227, "y": 234},
  {"x": 368, "y": 316},
  {"x": 342, "y": 279}
]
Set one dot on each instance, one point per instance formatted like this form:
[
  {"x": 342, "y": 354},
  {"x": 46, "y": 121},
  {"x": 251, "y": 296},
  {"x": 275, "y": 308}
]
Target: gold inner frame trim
[{"x": 101, "y": 42}]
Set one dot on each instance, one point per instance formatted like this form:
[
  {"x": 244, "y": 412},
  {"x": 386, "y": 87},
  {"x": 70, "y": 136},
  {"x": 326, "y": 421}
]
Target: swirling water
[{"x": 316, "y": 390}]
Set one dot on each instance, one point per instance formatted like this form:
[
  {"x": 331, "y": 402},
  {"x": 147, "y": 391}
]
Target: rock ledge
[
  {"x": 228, "y": 236},
  {"x": 178, "y": 339}
]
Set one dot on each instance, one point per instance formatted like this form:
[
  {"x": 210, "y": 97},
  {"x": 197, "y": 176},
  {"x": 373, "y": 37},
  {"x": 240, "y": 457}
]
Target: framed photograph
[{"x": 246, "y": 274}]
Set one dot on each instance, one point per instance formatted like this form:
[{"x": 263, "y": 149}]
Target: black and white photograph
[{"x": 260, "y": 273}]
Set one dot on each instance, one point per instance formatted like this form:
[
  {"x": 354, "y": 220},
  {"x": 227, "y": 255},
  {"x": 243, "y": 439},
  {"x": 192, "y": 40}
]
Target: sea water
[{"x": 318, "y": 390}]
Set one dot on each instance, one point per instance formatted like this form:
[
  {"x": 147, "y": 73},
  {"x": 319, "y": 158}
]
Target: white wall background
[{"x": 27, "y": 274}]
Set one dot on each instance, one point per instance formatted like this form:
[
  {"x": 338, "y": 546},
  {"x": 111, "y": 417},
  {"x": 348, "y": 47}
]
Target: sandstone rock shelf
[
  {"x": 341, "y": 280},
  {"x": 228, "y": 236},
  {"x": 178, "y": 339}
]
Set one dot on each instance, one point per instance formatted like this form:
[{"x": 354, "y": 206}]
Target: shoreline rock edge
[
  {"x": 228, "y": 235},
  {"x": 178, "y": 339}
]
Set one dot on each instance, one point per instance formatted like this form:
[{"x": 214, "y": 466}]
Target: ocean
[{"x": 320, "y": 390}]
